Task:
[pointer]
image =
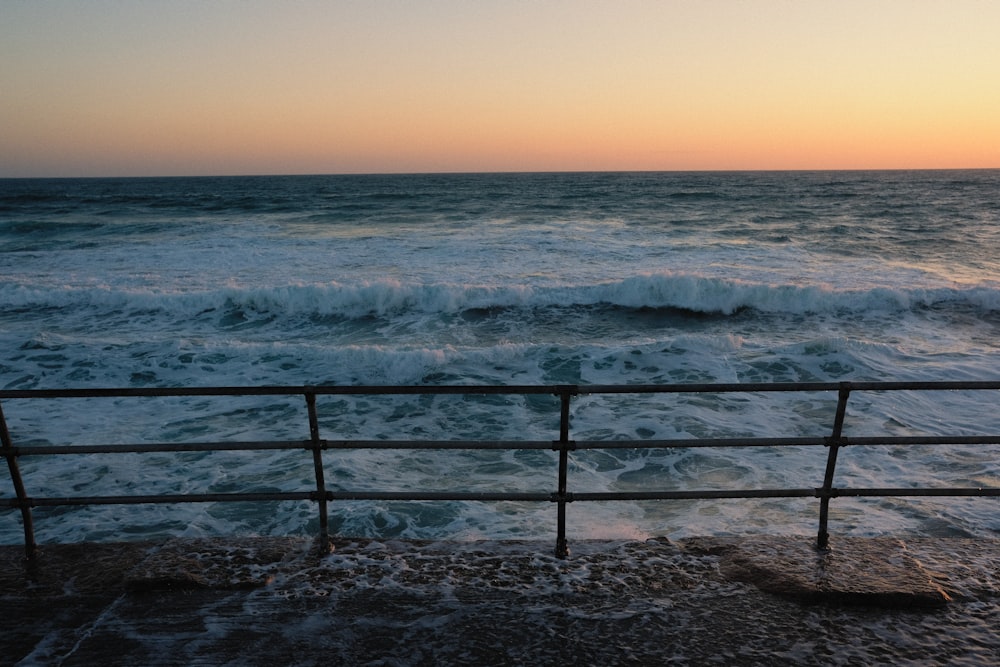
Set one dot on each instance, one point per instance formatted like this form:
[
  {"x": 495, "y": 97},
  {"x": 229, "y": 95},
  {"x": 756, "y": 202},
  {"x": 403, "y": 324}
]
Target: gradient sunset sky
[{"x": 140, "y": 87}]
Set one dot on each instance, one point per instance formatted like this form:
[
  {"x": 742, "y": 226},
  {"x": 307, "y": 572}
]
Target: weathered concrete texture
[
  {"x": 266, "y": 601},
  {"x": 223, "y": 564},
  {"x": 876, "y": 572}
]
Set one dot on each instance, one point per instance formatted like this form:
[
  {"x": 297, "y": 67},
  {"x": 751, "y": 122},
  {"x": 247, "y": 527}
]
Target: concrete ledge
[
  {"x": 264, "y": 601},
  {"x": 221, "y": 564},
  {"x": 878, "y": 572}
]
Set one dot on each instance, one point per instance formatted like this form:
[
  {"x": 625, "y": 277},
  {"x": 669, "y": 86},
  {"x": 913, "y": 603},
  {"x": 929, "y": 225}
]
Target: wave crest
[{"x": 387, "y": 298}]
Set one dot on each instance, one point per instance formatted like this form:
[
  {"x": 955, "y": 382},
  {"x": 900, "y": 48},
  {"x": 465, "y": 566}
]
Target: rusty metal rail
[{"x": 564, "y": 445}]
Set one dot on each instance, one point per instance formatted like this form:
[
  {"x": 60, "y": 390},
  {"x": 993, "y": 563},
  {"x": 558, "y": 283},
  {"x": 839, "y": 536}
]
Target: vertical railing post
[
  {"x": 564, "y": 445},
  {"x": 834, "y": 442},
  {"x": 30, "y": 548},
  {"x": 323, "y": 541}
]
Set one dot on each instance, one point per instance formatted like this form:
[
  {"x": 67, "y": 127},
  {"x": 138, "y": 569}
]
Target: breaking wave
[{"x": 390, "y": 297}]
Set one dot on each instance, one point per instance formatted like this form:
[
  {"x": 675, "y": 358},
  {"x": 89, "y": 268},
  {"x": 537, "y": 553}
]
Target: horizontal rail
[
  {"x": 922, "y": 440},
  {"x": 513, "y": 495},
  {"x": 172, "y": 498},
  {"x": 563, "y": 445},
  {"x": 678, "y": 443},
  {"x": 148, "y": 448},
  {"x": 507, "y": 496},
  {"x": 317, "y": 390},
  {"x": 916, "y": 493},
  {"x": 444, "y": 390}
]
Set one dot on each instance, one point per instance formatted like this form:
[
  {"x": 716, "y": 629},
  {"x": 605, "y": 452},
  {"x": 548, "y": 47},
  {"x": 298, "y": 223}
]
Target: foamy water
[{"x": 502, "y": 279}]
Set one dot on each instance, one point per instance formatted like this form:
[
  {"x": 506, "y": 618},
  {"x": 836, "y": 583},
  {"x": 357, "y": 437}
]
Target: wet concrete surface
[{"x": 280, "y": 601}]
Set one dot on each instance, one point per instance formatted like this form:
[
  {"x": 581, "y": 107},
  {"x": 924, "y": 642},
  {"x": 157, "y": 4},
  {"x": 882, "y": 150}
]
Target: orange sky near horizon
[{"x": 147, "y": 88}]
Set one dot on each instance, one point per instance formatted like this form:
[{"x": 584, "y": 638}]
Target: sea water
[{"x": 501, "y": 279}]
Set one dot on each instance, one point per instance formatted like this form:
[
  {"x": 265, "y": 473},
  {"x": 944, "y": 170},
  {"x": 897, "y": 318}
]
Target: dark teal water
[{"x": 507, "y": 279}]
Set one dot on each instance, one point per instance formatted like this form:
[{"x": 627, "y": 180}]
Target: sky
[{"x": 144, "y": 88}]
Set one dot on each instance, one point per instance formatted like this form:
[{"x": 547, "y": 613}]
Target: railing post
[
  {"x": 323, "y": 541},
  {"x": 30, "y": 548},
  {"x": 562, "y": 497},
  {"x": 834, "y": 442}
]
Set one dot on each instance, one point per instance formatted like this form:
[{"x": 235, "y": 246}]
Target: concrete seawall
[{"x": 268, "y": 601}]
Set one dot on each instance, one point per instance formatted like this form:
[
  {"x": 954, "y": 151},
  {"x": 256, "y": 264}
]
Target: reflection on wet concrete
[{"x": 265, "y": 601}]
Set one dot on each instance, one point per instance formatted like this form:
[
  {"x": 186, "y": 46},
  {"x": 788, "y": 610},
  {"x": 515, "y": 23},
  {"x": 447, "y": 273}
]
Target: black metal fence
[{"x": 564, "y": 445}]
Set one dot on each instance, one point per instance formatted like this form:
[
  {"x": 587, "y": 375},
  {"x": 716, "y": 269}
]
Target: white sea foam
[
  {"x": 392, "y": 297},
  {"x": 504, "y": 280}
]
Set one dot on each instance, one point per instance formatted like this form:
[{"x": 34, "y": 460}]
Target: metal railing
[{"x": 564, "y": 445}]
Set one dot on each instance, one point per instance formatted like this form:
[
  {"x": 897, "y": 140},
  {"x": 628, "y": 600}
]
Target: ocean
[{"x": 502, "y": 279}]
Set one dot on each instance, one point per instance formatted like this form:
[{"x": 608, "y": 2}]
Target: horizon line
[{"x": 503, "y": 172}]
